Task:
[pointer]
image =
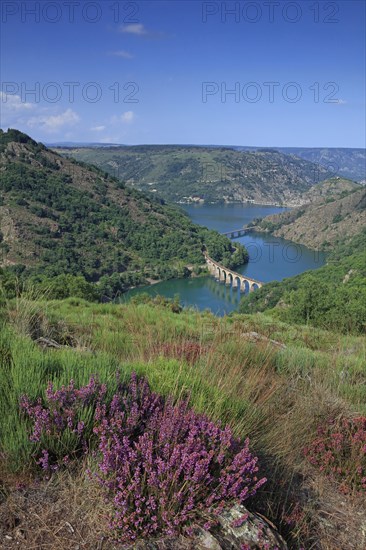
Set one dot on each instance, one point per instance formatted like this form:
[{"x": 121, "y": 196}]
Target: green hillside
[
  {"x": 335, "y": 210},
  {"x": 188, "y": 173},
  {"x": 60, "y": 217},
  {"x": 332, "y": 297},
  {"x": 347, "y": 162}
]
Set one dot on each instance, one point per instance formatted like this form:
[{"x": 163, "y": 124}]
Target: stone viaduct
[{"x": 231, "y": 278}]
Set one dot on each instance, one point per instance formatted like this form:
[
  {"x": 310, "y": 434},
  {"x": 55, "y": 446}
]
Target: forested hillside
[
  {"x": 332, "y": 297},
  {"x": 211, "y": 174},
  {"x": 347, "y": 162},
  {"x": 343, "y": 161},
  {"x": 60, "y": 217}
]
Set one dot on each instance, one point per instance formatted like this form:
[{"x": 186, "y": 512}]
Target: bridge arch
[
  {"x": 231, "y": 278},
  {"x": 245, "y": 286},
  {"x": 236, "y": 281}
]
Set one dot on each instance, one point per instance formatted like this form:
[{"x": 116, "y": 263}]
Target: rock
[
  {"x": 48, "y": 343},
  {"x": 253, "y": 532},
  {"x": 347, "y": 276},
  {"x": 176, "y": 543},
  {"x": 256, "y": 337},
  {"x": 205, "y": 540},
  {"x": 237, "y": 529}
]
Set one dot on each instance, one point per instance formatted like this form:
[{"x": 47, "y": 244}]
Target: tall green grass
[{"x": 235, "y": 381}]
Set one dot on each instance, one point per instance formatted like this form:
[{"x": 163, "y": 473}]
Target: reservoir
[{"x": 270, "y": 258}]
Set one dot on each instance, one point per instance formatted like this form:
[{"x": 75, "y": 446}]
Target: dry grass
[
  {"x": 277, "y": 397},
  {"x": 340, "y": 520},
  {"x": 63, "y": 513}
]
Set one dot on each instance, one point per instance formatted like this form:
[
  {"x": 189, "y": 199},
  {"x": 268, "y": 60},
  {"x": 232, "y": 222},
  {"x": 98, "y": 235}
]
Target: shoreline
[{"x": 246, "y": 203}]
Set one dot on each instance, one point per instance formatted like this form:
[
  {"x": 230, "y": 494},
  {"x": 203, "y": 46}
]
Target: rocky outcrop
[
  {"x": 237, "y": 529},
  {"x": 256, "y": 337}
]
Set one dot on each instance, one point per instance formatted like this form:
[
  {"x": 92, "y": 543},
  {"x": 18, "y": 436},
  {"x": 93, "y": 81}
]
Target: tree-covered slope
[
  {"x": 58, "y": 216},
  {"x": 347, "y": 162},
  {"x": 190, "y": 173},
  {"x": 332, "y": 297}
]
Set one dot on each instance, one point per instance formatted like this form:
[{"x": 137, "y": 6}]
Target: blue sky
[{"x": 240, "y": 73}]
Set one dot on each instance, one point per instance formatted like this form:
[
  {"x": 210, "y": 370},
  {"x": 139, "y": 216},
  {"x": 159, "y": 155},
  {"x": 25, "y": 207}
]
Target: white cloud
[
  {"x": 53, "y": 123},
  {"x": 134, "y": 28},
  {"x": 98, "y": 128},
  {"x": 14, "y": 103},
  {"x": 127, "y": 117},
  {"x": 122, "y": 53}
]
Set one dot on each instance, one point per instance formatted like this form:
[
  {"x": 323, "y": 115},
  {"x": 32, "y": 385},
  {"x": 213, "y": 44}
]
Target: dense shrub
[
  {"x": 339, "y": 451},
  {"x": 162, "y": 464},
  {"x": 63, "y": 422}
]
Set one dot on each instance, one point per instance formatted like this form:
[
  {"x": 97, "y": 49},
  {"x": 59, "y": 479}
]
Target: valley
[
  {"x": 189, "y": 174},
  {"x": 61, "y": 218},
  {"x": 277, "y": 364},
  {"x": 182, "y": 275}
]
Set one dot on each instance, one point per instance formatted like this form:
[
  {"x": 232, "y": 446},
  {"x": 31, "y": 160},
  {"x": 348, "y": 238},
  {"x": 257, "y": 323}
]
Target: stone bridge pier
[{"x": 231, "y": 278}]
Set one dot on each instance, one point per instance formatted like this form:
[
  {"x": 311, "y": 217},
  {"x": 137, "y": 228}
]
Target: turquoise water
[{"x": 270, "y": 259}]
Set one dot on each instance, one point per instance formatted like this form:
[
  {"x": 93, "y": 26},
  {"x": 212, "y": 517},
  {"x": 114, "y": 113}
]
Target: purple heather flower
[{"x": 162, "y": 465}]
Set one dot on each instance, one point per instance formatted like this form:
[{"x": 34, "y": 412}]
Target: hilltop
[
  {"x": 347, "y": 162},
  {"x": 335, "y": 209},
  {"x": 58, "y": 216},
  {"x": 210, "y": 174},
  {"x": 331, "y": 189}
]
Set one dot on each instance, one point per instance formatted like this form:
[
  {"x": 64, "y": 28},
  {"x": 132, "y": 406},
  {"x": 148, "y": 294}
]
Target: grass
[{"x": 276, "y": 396}]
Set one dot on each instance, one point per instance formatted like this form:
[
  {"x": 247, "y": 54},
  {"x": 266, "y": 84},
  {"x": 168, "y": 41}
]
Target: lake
[{"x": 270, "y": 258}]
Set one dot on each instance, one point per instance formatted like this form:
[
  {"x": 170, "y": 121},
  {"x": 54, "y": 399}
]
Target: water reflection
[
  {"x": 270, "y": 259},
  {"x": 224, "y": 292}
]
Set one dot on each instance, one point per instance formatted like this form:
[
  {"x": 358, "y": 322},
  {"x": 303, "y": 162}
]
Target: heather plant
[
  {"x": 165, "y": 465},
  {"x": 162, "y": 465},
  {"x": 339, "y": 451},
  {"x": 63, "y": 426}
]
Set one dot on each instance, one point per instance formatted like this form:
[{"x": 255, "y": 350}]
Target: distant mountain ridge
[
  {"x": 81, "y": 144},
  {"x": 185, "y": 174},
  {"x": 349, "y": 163}
]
